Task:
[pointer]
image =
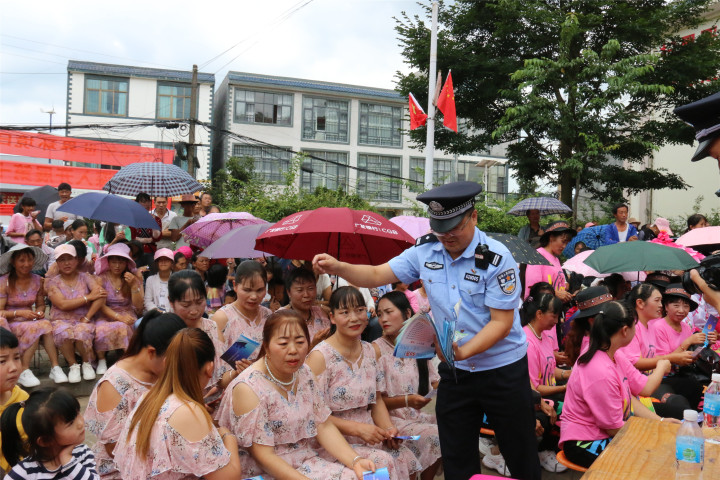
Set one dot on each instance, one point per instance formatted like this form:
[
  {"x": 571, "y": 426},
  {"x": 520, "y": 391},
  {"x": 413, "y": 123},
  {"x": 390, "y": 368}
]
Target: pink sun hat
[{"x": 117, "y": 250}]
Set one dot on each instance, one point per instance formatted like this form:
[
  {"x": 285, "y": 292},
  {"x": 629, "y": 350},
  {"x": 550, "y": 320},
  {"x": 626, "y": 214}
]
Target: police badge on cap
[{"x": 447, "y": 203}]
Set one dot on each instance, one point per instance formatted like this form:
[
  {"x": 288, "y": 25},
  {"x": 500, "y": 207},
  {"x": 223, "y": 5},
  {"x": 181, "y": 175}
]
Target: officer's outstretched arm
[
  {"x": 499, "y": 327},
  {"x": 358, "y": 275},
  {"x": 711, "y": 296}
]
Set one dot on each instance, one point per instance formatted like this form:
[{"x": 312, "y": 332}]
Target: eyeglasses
[{"x": 454, "y": 232}]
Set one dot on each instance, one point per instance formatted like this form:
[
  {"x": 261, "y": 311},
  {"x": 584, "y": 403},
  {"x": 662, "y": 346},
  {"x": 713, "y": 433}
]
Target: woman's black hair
[
  {"x": 110, "y": 232},
  {"x": 8, "y": 339},
  {"x": 80, "y": 249},
  {"x": 77, "y": 224},
  {"x": 45, "y": 408},
  {"x": 216, "y": 275},
  {"x": 401, "y": 302},
  {"x": 27, "y": 202},
  {"x": 613, "y": 316},
  {"x": 248, "y": 270},
  {"x": 344, "y": 297},
  {"x": 182, "y": 281},
  {"x": 694, "y": 220},
  {"x": 156, "y": 330},
  {"x": 540, "y": 288},
  {"x": 299, "y": 275},
  {"x": 613, "y": 283},
  {"x": 641, "y": 291},
  {"x": 543, "y": 303},
  {"x": 545, "y": 239},
  {"x": 178, "y": 256}
]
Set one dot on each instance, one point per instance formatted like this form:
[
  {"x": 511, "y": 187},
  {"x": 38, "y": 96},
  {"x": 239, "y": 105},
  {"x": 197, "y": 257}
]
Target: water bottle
[
  {"x": 689, "y": 448},
  {"x": 711, "y": 408}
]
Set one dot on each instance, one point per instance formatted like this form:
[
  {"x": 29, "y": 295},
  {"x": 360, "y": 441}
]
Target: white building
[
  {"x": 106, "y": 94},
  {"x": 356, "y": 136}
]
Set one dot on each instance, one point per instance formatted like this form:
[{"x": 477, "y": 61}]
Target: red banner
[
  {"x": 40, "y": 145},
  {"x": 20, "y": 173}
]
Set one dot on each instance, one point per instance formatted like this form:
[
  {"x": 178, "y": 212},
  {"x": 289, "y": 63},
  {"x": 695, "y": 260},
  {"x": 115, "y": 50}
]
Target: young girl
[
  {"x": 10, "y": 368},
  {"x": 55, "y": 435},
  {"x": 23, "y": 222},
  {"x": 280, "y": 391},
  {"x": 348, "y": 372},
  {"x": 601, "y": 391},
  {"x": 156, "y": 286},
  {"x": 169, "y": 434},
  {"x": 79, "y": 231},
  {"x": 407, "y": 382},
  {"x": 119, "y": 390}
]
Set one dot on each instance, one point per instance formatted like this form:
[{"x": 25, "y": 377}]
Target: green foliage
[
  {"x": 582, "y": 87},
  {"x": 239, "y": 188}
]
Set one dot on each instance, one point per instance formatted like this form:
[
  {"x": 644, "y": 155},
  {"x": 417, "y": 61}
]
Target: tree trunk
[{"x": 565, "y": 180}]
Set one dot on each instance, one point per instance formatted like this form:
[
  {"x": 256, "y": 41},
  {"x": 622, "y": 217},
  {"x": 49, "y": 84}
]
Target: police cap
[
  {"x": 447, "y": 203},
  {"x": 704, "y": 116}
]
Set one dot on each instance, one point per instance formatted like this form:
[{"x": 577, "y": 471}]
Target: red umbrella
[{"x": 353, "y": 236}]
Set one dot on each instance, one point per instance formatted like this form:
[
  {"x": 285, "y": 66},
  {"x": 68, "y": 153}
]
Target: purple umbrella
[
  {"x": 214, "y": 225},
  {"x": 238, "y": 243},
  {"x": 416, "y": 227}
]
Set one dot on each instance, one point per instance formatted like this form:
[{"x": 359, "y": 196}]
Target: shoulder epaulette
[{"x": 429, "y": 238}]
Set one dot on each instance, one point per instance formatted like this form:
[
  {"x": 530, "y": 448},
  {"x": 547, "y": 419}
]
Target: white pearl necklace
[{"x": 285, "y": 385}]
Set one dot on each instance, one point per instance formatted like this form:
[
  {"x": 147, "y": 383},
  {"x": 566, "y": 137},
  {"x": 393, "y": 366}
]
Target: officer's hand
[
  {"x": 709, "y": 295},
  {"x": 459, "y": 352},
  {"x": 325, "y": 263}
]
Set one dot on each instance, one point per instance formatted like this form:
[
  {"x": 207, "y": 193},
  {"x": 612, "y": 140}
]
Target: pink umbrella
[
  {"x": 577, "y": 264},
  {"x": 214, "y": 225},
  {"x": 415, "y": 226},
  {"x": 664, "y": 239},
  {"x": 707, "y": 239}
]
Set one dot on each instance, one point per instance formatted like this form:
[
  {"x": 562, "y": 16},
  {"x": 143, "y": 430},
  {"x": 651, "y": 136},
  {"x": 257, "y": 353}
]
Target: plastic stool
[
  {"x": 480, "y": 476},
  {"x": 487, "y": 431},
  {"x": 563, "y": 460}
]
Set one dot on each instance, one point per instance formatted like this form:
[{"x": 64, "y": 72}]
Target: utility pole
[
  {"x": 430, "y": 138},
  {"x": 193, "y": 119},
  {"x": 51, "y": 113}
]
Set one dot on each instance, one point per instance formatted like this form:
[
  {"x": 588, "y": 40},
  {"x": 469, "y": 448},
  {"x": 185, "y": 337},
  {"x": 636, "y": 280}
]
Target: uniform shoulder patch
[
  {"x": 429, "y": 238},
  {"x": 507, "y": 281}
]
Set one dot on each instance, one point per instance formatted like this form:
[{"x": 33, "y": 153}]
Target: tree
[{"x": 582, "y": 88}]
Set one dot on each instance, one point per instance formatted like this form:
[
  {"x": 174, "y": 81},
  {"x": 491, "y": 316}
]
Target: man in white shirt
[
  {"x": 161, "y": 211},
  {"x": 65, "y": 191}
]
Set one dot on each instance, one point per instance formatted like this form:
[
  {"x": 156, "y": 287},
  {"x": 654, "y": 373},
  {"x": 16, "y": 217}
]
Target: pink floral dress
[
  {"x": 27, "y": 331},
  {"x": 171, "y": 456},
  {"x": 350, "y": 390},
  {"x": 106, "y": 426},
  {"x": 288, "y": 424},
  {"x": 111, "y": 334},
  {"x": 402, "y": 378},
  {"x": 221, "y": 366},
  {"x": 66, "y": 323},
  {"x": 238, "y": 324}
]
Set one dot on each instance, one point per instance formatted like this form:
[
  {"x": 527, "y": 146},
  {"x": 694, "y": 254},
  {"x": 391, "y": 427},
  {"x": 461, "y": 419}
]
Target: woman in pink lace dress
[
  {"x": 407, "y": 381},
  {"x": 76, "y": 297},
  {"x": 169, "y": 434},
  {"x": 22, "y": 300},
  {"x": 119, "y": 390},
  {"x": 279, "y": 415},
  {"x": 245, "y": 316},
  {"x": 351, "y": 380},
  {"x": 125, "y": 300}
]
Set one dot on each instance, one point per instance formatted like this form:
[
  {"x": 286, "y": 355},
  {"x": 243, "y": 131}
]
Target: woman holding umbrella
[{"x": 552, "y": 243}]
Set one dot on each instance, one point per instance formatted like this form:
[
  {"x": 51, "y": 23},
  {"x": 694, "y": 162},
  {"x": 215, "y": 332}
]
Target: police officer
[{"x": 465, "y": 271}]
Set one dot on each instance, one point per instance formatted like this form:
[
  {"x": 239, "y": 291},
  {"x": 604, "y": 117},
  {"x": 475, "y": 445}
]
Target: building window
[
  {"x": 326, "y": 172},
  {"x": 442, "y": 171},
  {"x": 173, "y": 101},
  {"x": 379, "y": 186},
  {"x": 270, "y": 162},
  {"x": 325, "y": 120},
  {"x": 263, "y": 107},
  {"x": 380, "y": 125},
  {"x": 106, "y": 96}
]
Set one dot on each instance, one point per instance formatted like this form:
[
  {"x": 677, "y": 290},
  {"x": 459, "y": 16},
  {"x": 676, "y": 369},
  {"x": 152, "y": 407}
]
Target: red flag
[
  {"x": 446, "y": 104},
  {"x": 417, "y": 114}
]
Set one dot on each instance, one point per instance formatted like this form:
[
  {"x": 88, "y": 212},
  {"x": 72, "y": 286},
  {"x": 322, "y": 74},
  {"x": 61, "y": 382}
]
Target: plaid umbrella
[
  {"x": 546, "y": 206},
  {"x": 155, "y": 179},
  {"x": 214, "y": 225}
]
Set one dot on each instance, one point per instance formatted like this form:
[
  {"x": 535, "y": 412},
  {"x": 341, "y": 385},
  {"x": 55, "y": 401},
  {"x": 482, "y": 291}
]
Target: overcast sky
[{"x": 348, "y": 41}]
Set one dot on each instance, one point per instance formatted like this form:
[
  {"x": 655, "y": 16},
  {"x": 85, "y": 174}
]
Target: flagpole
[{"x": 430, "y": 139}]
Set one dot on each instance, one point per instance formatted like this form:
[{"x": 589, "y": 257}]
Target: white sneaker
[
  {"x": 58, "y": 376},
  {"x": 485, "y": 446},
  {"x": 87, "y": 371},
  {"x": 497, "y": 463},
  {"x": 101, "y": 367},
  {"x": 549, "y": 462},
  {"x": 27, "y": 379},
  {"x": 74, "y": 374}
]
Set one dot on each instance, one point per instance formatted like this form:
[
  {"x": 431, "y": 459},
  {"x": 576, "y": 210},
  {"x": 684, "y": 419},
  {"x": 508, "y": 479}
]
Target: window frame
[
  {"x": 393, "y": 187},
  {"x": 237, "y": 88},
  {"x": 345, "y": 183},
  {"x": 280, "y": 169},
  {"x": 348, "y": 102},
  {"x": 399, "y": 132},
  {"x": 172, "y": 84},
  {"x": 88, "y": 77}
]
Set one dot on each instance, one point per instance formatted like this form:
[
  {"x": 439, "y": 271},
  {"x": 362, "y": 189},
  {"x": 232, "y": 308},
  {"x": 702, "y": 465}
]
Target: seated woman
[
  {"x": 301, "y": 290},
  {"x": 352, "y": 383},
  {"x": 589, "y": 302},
  {"x": 119, "y": 390},
  {"x": 407, "y": 381},
  {"x": 601, "y": 392},
  {"x": 113, "y": 326},
  {"x": 22, "y": 302},
  {"x": 281, "y": 392},
  {"x": 169, "y": 434},
  {"x": 76, "y": 297}
]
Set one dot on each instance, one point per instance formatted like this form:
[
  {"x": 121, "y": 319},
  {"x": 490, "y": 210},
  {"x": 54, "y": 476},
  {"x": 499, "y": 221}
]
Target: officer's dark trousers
[{"x": 503, "y": 394}]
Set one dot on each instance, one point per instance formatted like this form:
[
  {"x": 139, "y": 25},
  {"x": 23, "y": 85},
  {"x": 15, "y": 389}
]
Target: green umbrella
[{"x": 639, "y": 256}]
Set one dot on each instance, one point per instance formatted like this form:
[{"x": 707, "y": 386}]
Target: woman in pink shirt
[
  {"x": 601, "y": 392},
  {"x": 553, "y": 241},
  {"x": 589, "y": 303},
  {"x": 23, "y": 222}
]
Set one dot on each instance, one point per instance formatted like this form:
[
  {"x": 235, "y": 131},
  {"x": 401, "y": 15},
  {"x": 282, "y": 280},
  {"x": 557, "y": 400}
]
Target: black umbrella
[
  {"x": 43, "y": 197},
  {"x": 521, "y": 251}
]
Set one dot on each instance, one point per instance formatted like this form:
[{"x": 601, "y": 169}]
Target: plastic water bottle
[
  {"x": 711, "y": 408},
  {"x": 689, "y": 448}
]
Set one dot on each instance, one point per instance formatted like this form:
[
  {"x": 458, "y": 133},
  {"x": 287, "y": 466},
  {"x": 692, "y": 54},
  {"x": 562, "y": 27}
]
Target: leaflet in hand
[
  {"x": 418, "y": 335},
  {"x": 407, "y": 437},
  {"x": 709, "y": 327},
  {"x": 240, "y": 350},
  {"x": 380, "y": 474},
  {"x": 432, "y": 393}
]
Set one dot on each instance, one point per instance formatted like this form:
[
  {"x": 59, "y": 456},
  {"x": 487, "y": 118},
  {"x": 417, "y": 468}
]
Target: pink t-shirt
[
  {"x": 552, "y": 274},
  {"x": 667, "y": 340},
  {"x": 641, "y": 346},
  {"x": 551, "y": 335},
  {"x": 584, "y": 345},
  {"x": 20, "y": 224},
  {"x": 598, "y": 398},
  {"x": 541, "y": 361}
]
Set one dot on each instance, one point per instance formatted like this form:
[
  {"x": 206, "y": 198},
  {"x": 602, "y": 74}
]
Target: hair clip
[
  {"x": 22, "y": 404},
  {"x": 530, "y": 299}
]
